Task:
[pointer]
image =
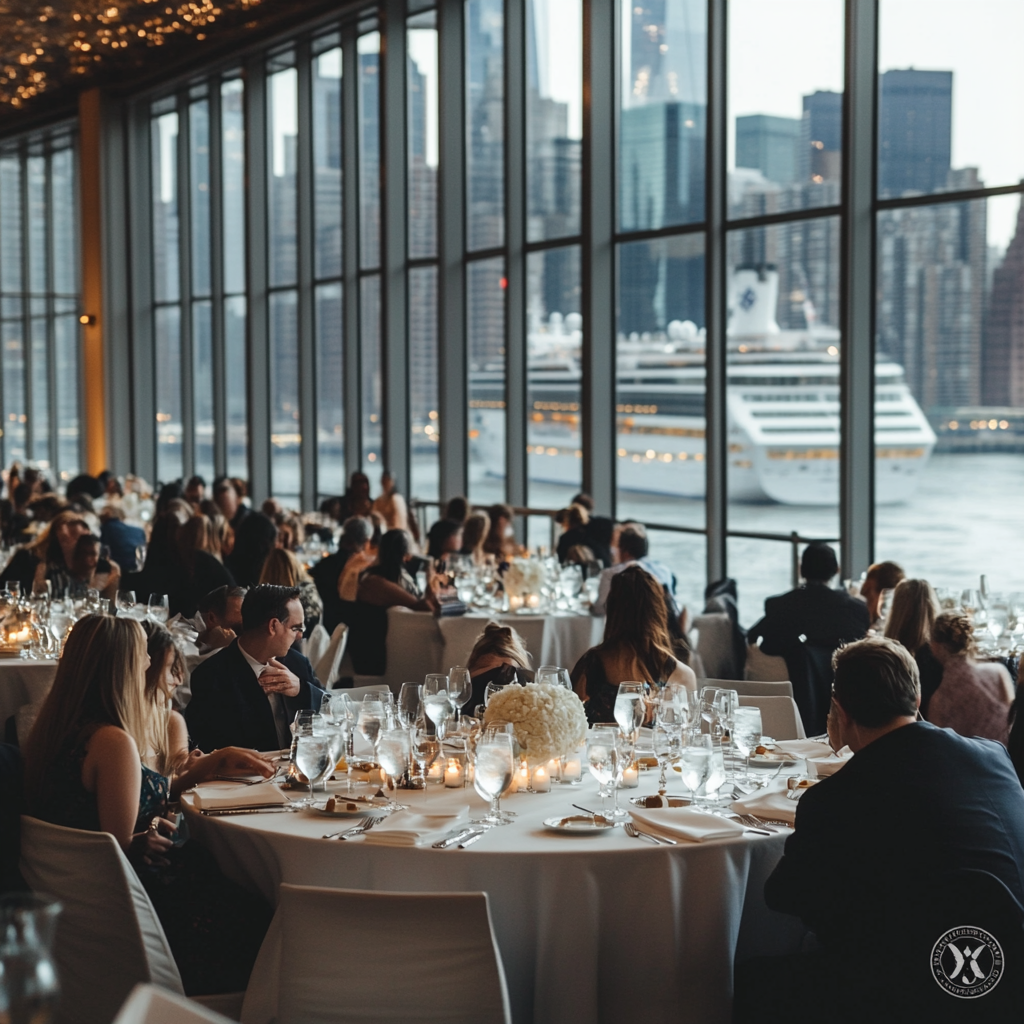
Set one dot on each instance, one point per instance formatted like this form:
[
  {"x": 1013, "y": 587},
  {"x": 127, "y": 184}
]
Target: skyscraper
[
  {"x": 1003, "y": 358},
  {"x": 822, "y": 137},
  {"x": 770, "y": 145}
]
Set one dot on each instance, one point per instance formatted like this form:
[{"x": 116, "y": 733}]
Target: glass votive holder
[
  {"x": 572, "y": 771},
  {"x": 541, "y": 782},
  {"x": 630, "y": 776}
]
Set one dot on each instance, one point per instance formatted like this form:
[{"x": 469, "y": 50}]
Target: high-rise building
[
  {"x": 1003, "y": 358},
  {"x": 914, "y": 131},
  {"x": 770, "y": 145},
  {"x": 822, "y": 137}
]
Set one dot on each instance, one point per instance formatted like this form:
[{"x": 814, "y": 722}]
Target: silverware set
[
  {"x": 356, "y": 830},
  {"x": 635, "y": 833}
]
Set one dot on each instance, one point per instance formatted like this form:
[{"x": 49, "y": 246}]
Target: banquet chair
[
  {"x": 438, "y": 961},
  {"x": 780, "y": 717},
  {"x": 714, "y": 645},
  {"x": 108, "y": 935},
  {"x": 327, "y": 667},
  {"x": 316, "y": 643},
  {"x": 359, "y": 692},
  {"x": 768, "y": 668},
  {"x": 755, "y": 688},
  {"x": 148, "y": 1004}
]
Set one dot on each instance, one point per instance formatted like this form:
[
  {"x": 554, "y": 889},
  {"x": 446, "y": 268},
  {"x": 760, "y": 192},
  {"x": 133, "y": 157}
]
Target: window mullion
[
  {"x": 220, "y": 448},
  {"x": 353, "y": 424},
  {"x": 188, "y": 446}
]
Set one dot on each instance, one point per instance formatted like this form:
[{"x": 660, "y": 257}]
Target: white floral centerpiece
[
  {"x": 548, "y": 720},
  {"x": 523, "y": 579}
]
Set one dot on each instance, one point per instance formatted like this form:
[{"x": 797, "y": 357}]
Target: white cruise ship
[{"x": 782, "y": 405}]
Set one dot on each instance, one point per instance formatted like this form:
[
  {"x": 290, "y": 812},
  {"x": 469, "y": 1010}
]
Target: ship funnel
[{"x": 753, "y": 297}]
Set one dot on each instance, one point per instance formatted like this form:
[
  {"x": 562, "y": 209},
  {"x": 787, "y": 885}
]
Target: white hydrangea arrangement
[
  {"x": 549, "y": 720},
  {"x": 524, "y": 576}
]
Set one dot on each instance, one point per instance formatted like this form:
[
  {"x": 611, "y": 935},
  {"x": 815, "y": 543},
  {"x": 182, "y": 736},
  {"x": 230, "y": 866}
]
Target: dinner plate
[
  {"x": 578, "y": 825},
  {"x": 346, "y": 808}
]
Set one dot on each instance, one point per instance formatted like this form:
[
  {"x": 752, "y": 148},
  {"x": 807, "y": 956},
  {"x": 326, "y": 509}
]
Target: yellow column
[{"x": 91, "y": 228}]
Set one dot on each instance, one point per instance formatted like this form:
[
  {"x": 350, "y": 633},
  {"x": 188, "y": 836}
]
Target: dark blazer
[
  {"x": 229, "y": 709},
  {"x": 915, "y": 804},
  {"x": 122, "y": 538}
]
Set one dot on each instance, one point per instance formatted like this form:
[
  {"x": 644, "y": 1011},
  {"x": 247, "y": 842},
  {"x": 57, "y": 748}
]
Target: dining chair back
[
  {"x": 780, "y": 717},
  {"x": 315, "y": 644},
  {"x": 108, "y": 935},
  {"x": 764, "y": 667},
  {"x": 436, "y": 959},
  {"x": 755, "y": 688},
  {"x": 327, "y": 666},
  {"x": 359, "y": 692},
  {"x": 715, "y": 645},
  {"x": 148, "y": 1004}
]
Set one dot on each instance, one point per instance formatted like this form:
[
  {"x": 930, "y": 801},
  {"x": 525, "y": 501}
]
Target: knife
[
  {"x": 216, "y": 812},
  {"x": 451, "y": 840},
  {"x": 470, "y": 840}
]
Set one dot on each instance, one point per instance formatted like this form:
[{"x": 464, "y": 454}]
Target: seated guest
[
  {"x": 85, "y": 768},
  {"x": 168, "y": 493},
  {"x": 501, "y": 540},
  {"x": 161, "y": 571},
  {"x": 974, "y": 697},
  {"x": 247, "y": 694},
  {"x": 197, "y": 569},
  {"x": 195, "y": 491},
  {"x": 632, "y": 549},
  {"x": 1015, "y": 742},
  {"x": 220, "y": 612},
  {"x": 636, "y": 646},
  {"x": 291, "y": 534},
  {"x": 255, "y": 538},
  {"x": 356, "y": 499},
  {"x": 391, "y": 506},
  {"x": 444, "y": 538},
  {"x": 913, "y": 804},
  {"x": 326, "y": 574},
  {"x": 120, "y": 537},
  {"x": 499, "y": 656},
  {"x": 911, "y": 618},
  {"x": 90, "y": 571},
  {"x": 229, "y": 503},
  {"x": 600, "y": 530},
  {"x": 880, "y": 577},
  {"x": 49, "y": 556},
  {"x": 574, "y": 521},
  {"x": 805, "y": 626},
  {"x": 474, "y": 533},
  {"x": 456, "y": 509},
  {"x": 383, "y": 586},
  {"x": 283, "y": 569}
]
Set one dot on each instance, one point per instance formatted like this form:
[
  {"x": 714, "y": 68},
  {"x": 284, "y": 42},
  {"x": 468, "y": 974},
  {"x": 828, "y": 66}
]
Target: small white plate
[
  {"x": 342, "y": 808},
  {"x": 578, "y": 825}
]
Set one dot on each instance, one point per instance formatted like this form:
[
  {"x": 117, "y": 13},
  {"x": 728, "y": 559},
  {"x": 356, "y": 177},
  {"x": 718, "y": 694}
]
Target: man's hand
[
  {"x": 217, "y": 637},
  {"x": 277, "y": 679}
]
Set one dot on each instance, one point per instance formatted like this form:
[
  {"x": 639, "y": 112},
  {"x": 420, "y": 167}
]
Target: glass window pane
[
  {"x": 368, "y": 49},
  {"x": 485, "y": 327},
  {"x": 10, "y": 225},
  {"x": 327, "y": 162},
  {"x": 66, "y": 332},
  {"x": 369, "y": 313},
  {"x": 164, "y": 171},
  {"x": 232, "y": 95},
  {"x": 947, "y": 93},
  {"x": 330, "y": 409},
  {"x": 167, "y": 343},
  {"x": 235, "y": 384},
  {"x": 282, "y": 176},
  {"x": 40, "y": 393},
  {"x": 785, "y": 105},
  {"x": 764, "y": 569},
  {"x": 285, "y": 436},
  {"x": 485, "y": 123},
  {"x": 421, "y": 84},
  {"x": 663, "y": 103},
  {"x": 949, "y": 391},
  {"x": 660, "y": 387},
  {"x": 199, "y": 169},
  {"x": 554, "y": 117},
  {"x": 423, "y": 382},
  {"x": 202, "y": 387},
  {"x": 783, "y": 346},
  {"x": 64, "y": 247},
  {"x": 553, "y": 350},
  {"x": 685, "y": 555},
  {"x": 36, "y": 181},
  {"x": 13, "y": 364}
]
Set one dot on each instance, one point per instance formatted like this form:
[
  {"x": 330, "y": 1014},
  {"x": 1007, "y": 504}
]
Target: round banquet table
[
  {"x": 23, "y": 682},
  {"x": 598, "y": 928}
]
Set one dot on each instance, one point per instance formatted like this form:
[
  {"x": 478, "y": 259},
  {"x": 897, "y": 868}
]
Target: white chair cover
[
  {"x": 714, "y": 644},
  {"x": 314, "y": 647},
  {"x": 414, "y": 647},
  {"x": 151, "y": 1005},
  {"x": 108, "y": 935},
  {"x": 780, "y": 717},
  {"x": 328, "y": 666},
  {"x": 752, "y": 688},
  {"x": 434, "y": 959},
  {"x": 768, "y": 668},
  {"x": 359, "y": 692}
]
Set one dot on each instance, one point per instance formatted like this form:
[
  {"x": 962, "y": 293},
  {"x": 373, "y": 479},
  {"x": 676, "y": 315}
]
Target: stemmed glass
[
  {"x": 313, "y": 759},
  {"x": 393, "y": 754},
  {"x": 425, "y": 748},
  {"x": 746, "y": 734},
  {"x": 436, "y": 703},
  {"x": 695, "y": 761},
  {"x": 409, "y": 704},
  {"x": 460, "y": 688},
  {"x": 667, "y": 737},
  {"x": 126, "y": 603},
  {"x": 553, "y": 676},
  {"x": 630, "y": 712},
  {"x": 336, "y": 729},
  {"x": 606, "y": 756},
  {"x": 158, "y": 608},
  {"x": 493, "y": 773},
  {"x": 371, "y": 719}
]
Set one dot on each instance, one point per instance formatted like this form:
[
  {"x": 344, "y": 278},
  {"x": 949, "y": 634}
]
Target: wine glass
[
  {"x": 393, "y": 754},
  {"x": 667, "y": 738},
  {"x": 695, "y": 762},
  {"x": 460, "y": 688},
  {"x": 425, "y": 748},
  {"x": 493, "y": 773},
  {"x": 553, "y": 676},
  {"x": 409, "y": 704},
  {"x": 606, "y": 758},
  {"x": 313, "y": 759},
  {"x": 746, "y": 733},
  {"x": 158, "y": 608},
  {"x": 126, "y": 603},
  {"x": 630, "y": 709},
  {"x": 371, "y": 719},
  {"x": 491, "y": 689},
  {"x": 436, "y": 703}
]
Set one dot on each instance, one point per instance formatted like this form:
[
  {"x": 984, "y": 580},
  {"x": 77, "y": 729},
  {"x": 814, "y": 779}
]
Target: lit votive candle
[
  {"x": 522, "y": 778},
  {"x": 572, "y": 770},
  {"x": 435, "y": 773},
  {"x": 630, "y": 778},
  {"x": 541, "y": 780},
  {"x": 515, "y": 602},
  {"x": 453, "y": 774},
  {"x": 533, "y": 600}
]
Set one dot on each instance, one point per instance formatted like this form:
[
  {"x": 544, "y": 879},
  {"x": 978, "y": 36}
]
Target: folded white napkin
[
  {"x": 772, "y": 804},
  {"x": 829, "y": 765},
  {"x": 235, "y": 795},
  {"x": 407, "y": 828},
  {"x": 804, "y": 748},
  {"x": 684, "y": 823}
]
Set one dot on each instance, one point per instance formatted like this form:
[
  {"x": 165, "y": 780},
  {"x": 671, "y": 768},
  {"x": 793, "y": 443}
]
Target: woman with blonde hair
[
  {"x": 974, "y": 697},
  {"x": 499, "y": 656},
  {"x": 283, "y": 569},
  {"x": 474, "y": 534},
  {"x": 637, "y": 645},
  {"x": 84, "y": 769},
  {"x": 910, "y": 621}
]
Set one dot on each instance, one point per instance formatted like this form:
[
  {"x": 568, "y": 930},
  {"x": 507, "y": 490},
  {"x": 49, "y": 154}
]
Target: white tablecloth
[
  {"x": 23, "y": 682},
  {"x": 591, "y": 929}
]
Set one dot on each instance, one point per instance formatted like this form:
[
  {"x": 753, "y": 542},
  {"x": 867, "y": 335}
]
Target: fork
[
  {"x": 357, "y": 830},
  {"x": 635, "y": 833}
]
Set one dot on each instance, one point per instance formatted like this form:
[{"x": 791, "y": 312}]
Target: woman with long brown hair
[
  {"x": 283, "y": 569},
  {"x": 84, "y": 769},
  {"x": 50, "y": 555},
  {"x": 636, "y": 646},
  {"x": 198, "y": 570},
  {"x": 911, "y": 619}
]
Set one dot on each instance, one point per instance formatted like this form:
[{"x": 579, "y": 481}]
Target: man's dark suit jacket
[
  {"x": 229, "y": 708},
  {"x": 917, "y": 803},
  {"x": 826, "y": 618}
]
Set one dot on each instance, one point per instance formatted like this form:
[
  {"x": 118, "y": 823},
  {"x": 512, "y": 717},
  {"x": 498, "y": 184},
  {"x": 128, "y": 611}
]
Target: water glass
[
  {"x": 746, "y": 733},
  {"x": 436, "y": 702},
  {"x": 29, "y": 988},
  {"x": 126, "y": 603},
  {"x": 393, "y": 754},
  {"x": 608, "y": 753},
  {"x": 553, "y": 676},
  {"x": 425, "y": 748},
  {"x": 667, "y": 739},
  {"x": 493, "y": 773},
  {"x": 631, "y": 709},
  {"x": 313, "y": 759},
  {"x": 371, "y": 719},
  {"x": 695, "y": 761},
  {"x": 158, "y": 608},
  {"x": 409, "y": 704},
  {"x": 460, "y": 688}
]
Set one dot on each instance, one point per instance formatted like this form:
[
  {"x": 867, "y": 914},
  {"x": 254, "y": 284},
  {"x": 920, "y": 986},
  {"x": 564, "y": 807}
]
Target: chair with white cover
[
  {"x": 766, "y": 668},
  {"x": 780, "y": 717},
  {"x": 327, "y": 667},
  {"x": 151, "y": 1005},
  {"x": 314, "y": 647},
  {"x": 415, "y": 647},
  {"x": 108, "y": 935},
  {"x": 715, "y": 644},
  {"x": 755, "y": 688},
  {"x": 359, "y": 692},
  {"x": 449, "y": 968}
]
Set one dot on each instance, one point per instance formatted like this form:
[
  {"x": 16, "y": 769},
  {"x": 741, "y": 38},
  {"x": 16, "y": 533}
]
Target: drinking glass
[
  {"x": 746, "y": 734},
  {"x": 630, "y": 709},
  {"x": 126, "y": 603},
  {"x": 695, "y": 761},
  {"x": 460, "y": 688},
  {"x": 158, "y": 608},
  {"x": 970, "y": 602},
  {"x": 553, "y": 675},
  {"x": 313, "y": 759},
  {"x": 436, "y": 703},
  {"x": 425, "y": 748},
  {"x": 371, "y": 719},
  {"x": 493, "y": 773},
  {"x": 29, "y": 988},
  {"x": 491, "y": 689},
  {"x": 605, "y": 759},
  {"x": 409, "y": 704},
  {"x": 667, "y": 738},
  {"x": 14, "y": 588},
  {"x": 393, "y": 754}
]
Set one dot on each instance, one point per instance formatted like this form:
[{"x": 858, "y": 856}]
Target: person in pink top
[{"x": 974, "y": 697}]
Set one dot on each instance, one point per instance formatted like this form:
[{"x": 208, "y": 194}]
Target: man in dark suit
[
  {"x": 806, "y": 626},
  {"x": 248, "y": 693},
  {"x": 914, "y": 803},
  {"x": 356, "y": 533}
]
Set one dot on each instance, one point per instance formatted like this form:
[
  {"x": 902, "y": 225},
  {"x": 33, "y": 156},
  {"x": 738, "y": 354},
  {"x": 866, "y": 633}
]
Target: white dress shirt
[
  {"x": 277, "y": 706},
  {"x": 660, "y": 572}
]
